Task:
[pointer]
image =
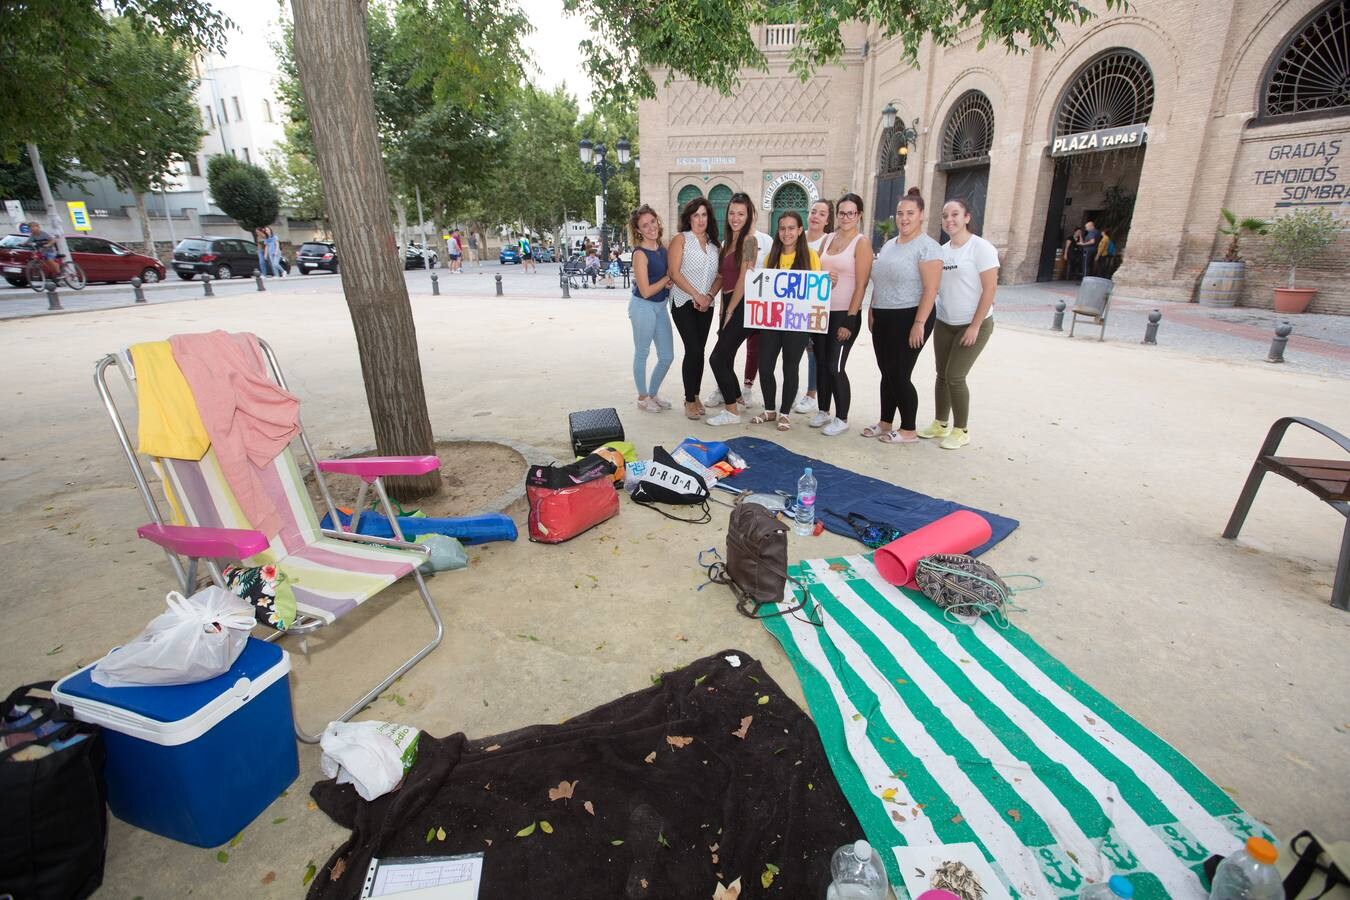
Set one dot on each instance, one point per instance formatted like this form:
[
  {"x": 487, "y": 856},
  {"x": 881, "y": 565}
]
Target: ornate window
[
  {"x": 969, "y": 132},
  {"x": 889, "y": 160},
  {"x": 687, "y": 193},
  {"x": 789, "y": 197},
  {"x": 1311, "y": 72},
  {"x": 719, "y": 197},
  {"x": 1113, "y": 90}
]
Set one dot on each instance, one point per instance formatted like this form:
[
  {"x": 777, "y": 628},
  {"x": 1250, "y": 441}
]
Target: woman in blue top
[{"x": 648, "y": 309}]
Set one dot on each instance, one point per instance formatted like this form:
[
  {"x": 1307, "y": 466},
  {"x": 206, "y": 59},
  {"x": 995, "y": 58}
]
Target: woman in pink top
[{"x": 847, "y": 256}]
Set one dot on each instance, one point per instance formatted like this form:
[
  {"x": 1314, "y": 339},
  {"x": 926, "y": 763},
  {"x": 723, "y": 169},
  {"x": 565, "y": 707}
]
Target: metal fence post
[
  {"x": 1058, "y": 324},
  {"x": 257, "y": 277},
  {"x": 53, "y": 298},
  {"x": 499, "y": 285},
  {"x": 1278, "y": 343},
  {"x": 136, "y": 290},
  {"x": 567, "y": 293},
  {"x": 1151, "y": 329},
  {"x": 435, "y": 285}
]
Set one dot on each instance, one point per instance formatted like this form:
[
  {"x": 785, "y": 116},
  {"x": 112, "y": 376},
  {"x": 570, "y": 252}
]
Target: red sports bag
[{"x": 567, "y": 500}]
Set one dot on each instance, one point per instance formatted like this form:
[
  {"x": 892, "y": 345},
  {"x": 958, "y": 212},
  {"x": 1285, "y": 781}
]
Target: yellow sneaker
[
  {"x": 935, "y": 430},
  {"x": 956, "y": 440}
]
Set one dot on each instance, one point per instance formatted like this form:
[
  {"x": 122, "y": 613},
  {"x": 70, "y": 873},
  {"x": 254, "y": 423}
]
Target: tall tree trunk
[
  {"x": 334, "y": 66},
  {"x": 145, "y": 225}
]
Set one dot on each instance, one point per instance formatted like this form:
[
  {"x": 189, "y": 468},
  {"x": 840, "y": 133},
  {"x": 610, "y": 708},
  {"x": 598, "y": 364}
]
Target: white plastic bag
[
  {"x": 199, "y": 637},
  {"x": 372, "y": 756}
]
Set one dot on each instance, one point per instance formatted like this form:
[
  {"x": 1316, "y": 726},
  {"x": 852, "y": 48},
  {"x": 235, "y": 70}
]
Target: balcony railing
[{"x": 780, "y": 37}]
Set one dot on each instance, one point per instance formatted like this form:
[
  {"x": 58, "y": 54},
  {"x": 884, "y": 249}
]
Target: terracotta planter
[{"x": 1293, "y": 300}]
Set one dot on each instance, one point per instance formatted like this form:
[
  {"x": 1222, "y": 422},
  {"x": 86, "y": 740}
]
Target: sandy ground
[{"x": 1122, "y": 463}]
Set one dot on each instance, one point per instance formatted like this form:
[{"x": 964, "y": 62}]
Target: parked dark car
[
  {"x": 316, "y": 255},
  {"x": 510, "y": 255},
  {"x": 414, "y": 257},
  {"x": 101, "y": 259},
  {"x": 544, "y": 254},
  {"x": 222, "y": 258}
]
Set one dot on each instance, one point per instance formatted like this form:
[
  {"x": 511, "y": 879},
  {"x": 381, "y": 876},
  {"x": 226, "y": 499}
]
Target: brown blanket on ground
[{"x": 710, "y": 776}]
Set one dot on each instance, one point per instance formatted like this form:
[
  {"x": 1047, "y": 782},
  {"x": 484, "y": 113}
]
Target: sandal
[
  {"x": 692, "y": 411},
  {"x": 895, "y": 437},
  {"x": 783, "y": 423},
  {"x": 873, "y": 431},
  {"x": 767, "y": 416}
]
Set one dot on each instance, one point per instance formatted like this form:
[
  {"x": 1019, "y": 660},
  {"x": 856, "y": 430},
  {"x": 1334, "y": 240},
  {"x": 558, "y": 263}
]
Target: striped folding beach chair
[{"x": 331, "y": 571}]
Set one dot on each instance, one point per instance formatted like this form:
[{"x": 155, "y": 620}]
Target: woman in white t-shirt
[{"x": 965, "y": 306}]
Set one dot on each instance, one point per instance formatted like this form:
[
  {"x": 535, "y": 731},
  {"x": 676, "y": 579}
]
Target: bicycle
[{"x": 69, "y": 273}]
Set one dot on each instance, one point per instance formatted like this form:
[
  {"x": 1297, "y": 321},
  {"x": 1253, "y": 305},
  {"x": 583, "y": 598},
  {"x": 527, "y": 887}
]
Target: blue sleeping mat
[
  {"x": 468, "y": 529},
  {"x": 773, "y": 468}
]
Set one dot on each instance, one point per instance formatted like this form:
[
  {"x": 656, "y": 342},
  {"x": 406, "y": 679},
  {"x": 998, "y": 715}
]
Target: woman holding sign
[
  {"x": 738, "y": 254},
  {"x": 647, "y": 307},
  {"x": 905, "y": 283},
  {"x": 789, "y": 251},
  {"x": 965, "y": 304},
  {"x": 848, "y": 259},
  {"x": 819, "y": 226},
  {"x": 693, "y": 269}
]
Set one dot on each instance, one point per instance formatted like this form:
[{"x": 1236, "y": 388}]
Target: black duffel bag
[{"x": 54, "y": 831}]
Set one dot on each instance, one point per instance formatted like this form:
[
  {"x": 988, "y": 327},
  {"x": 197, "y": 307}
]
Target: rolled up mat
[
  {"x": 466, "y": 529},
  {"x": 957, "y": 532}
]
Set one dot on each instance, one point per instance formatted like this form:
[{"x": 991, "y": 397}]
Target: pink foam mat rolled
[{"x": 958, "y": 532}]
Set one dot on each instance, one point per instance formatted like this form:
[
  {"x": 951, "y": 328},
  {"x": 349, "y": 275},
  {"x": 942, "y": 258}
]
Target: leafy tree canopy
[{"x": 243, "y": 191}]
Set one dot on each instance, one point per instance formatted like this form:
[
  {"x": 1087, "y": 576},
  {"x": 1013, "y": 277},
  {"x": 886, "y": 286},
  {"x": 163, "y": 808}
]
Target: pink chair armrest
[
  {"x": 205, "y": 543},
  {"x": 368, "y": 468}
]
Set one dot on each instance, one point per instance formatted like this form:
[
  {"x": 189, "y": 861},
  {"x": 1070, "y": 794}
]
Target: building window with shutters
[
  {"x": 238, "y": 112},
  {"x": 224, "y": 118},
  {"x": 208, "y": 120},
  {"x": 267, "y": 110}
]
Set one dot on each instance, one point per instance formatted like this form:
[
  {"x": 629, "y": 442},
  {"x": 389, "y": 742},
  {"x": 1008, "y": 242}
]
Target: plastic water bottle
[
  {"x": 1249, "y": 874},
  {"x": 806, "y": 503},
  {"x": 1115, "y": 886},
  {"x": 858, "y": 872}
]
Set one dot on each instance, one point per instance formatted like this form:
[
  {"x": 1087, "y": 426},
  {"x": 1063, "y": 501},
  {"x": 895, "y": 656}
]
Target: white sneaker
[
  {"x": 664, "y": 404},
  {"x": 713, "y": 399},
  {"x": 838, "y": 426},
  {"x": 820, "y": 418},
  {"x": 723, "y": 418},
  {"x": 750, "y": 398},
  {"x": 804, "y": 404},
  {"x": 647, "y": 404}
]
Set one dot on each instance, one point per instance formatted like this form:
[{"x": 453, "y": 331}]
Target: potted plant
[
  {"x": 1222, "y": 284},
  {"x": 1297, "y": 239}
]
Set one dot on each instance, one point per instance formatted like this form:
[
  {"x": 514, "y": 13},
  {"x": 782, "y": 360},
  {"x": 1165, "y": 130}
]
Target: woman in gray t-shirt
[{"x": 905, "y": 281}]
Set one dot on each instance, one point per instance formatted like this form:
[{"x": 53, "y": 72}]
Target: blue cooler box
[{"x": 195, "y": 762}]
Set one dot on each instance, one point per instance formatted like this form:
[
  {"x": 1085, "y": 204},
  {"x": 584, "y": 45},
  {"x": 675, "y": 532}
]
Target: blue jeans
[{"x": 651, "y": 322}]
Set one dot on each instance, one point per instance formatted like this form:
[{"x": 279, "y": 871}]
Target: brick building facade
[{"x": 1149, "y": 121}]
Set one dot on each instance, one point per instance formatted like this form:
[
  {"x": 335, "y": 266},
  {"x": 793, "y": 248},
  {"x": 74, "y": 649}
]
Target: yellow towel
[{"x": 169, "y": 424}]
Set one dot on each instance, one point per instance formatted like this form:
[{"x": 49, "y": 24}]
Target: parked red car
[{"x": 101, "y": 259}]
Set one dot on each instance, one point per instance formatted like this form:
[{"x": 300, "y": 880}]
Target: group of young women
[{"x": 919, "y": 289}]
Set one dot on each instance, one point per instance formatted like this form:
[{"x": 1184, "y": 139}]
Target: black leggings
[
  {"x": 693, "y": 327},
  {"x": 723, "y": 360},
  {"x": 896, "y": 359},
  {"x": 831, "y": 358},
  {"x": 792, "y": 345}
]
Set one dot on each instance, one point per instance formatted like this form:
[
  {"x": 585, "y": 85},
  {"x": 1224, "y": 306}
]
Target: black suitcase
[{"x": 591, "y": 428}]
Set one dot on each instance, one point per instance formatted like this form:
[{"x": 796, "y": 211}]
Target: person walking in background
[
  {"x": 739, "y": 253},
  {"x": 1088, "y": 246},
  {"x": 905, "y": 279},
  {"x": 848, "y": 259},
  {"x": 260, "y": 243},
  {"x": 820, "y": 224},
  {"x": 1073, "y": 256},
  {"x": 273, "y": 245},
  {"x": 647, "y": 310},
  {"x": 789, "y": 251},
  {"x": 693, "y": 271},
  {"x": 455, "y": 248},
  {"x": 527, "y": 255},
  {"x": 965, "y": 306},
  {"x": 473, "y": 248}
]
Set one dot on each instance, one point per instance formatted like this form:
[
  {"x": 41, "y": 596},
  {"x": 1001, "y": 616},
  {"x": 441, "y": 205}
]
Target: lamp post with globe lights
[{"x": 597, "y": 157}]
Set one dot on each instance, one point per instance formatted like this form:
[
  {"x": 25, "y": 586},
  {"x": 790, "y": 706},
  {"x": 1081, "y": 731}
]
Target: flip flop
[
  {"x": 873, "y": 431},
  {"x": 895, "y": 437}
]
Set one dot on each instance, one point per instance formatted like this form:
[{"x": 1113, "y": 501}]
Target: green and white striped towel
[{"x": 941, "y": 733}]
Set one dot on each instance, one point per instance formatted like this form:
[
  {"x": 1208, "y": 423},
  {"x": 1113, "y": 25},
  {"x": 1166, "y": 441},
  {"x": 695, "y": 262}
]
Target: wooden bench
[{"x": 1326, "y": 479}]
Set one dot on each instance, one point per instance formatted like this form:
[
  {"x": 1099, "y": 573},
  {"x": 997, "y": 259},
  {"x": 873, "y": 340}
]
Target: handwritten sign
[{"x": 787, "y": 300}]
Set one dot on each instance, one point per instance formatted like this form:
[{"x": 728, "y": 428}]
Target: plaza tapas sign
[
  {"x": 787, "y": 300},
  {"x": 1102, "y": 139}
]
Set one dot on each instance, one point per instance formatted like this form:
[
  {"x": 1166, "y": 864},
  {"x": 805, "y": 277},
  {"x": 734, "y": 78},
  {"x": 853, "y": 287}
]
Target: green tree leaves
[{"x": 243, "y": 191}]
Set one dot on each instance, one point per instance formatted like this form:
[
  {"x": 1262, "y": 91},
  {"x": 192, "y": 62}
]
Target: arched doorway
[
  {"x": 719, "y": 197},
  {"x": 788, "y": 197},
  {"x": 967, "y": 138},
  {"x": 1098, "y": 148},
  {"x": 890, "y": 180}
]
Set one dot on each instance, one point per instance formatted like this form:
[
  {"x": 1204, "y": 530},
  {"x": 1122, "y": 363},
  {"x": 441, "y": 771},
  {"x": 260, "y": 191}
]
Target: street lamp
[
  {"x": 906, "y": 134},
  {"x": 589, "y": 152}
]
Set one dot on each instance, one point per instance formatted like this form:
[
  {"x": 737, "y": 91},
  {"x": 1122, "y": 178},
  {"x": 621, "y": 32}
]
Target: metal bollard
[
  {"x": 499, "y": 285},
  {"x": 435, "y": 285},
  {"x": 1151, "y": 329},
  {"x": 1277, "y": 344},
  {"x": 567, "y": 293},
  {"x": 53, "y": 298},
  {"x": 206, "y": 287},
  {"x": 1058, "y": 324},
  {"x": 136, "y": 290},
  {"x": 257, "y": 277}
]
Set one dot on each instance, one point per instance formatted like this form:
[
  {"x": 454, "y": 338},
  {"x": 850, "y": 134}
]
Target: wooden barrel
[
  {"x": 1061, "y": 265},
  {"x": 1222, "y": 284}
]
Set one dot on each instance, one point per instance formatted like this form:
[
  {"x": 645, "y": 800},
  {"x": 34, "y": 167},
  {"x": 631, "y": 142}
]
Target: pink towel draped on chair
[{"x": 248, "y": 416}]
